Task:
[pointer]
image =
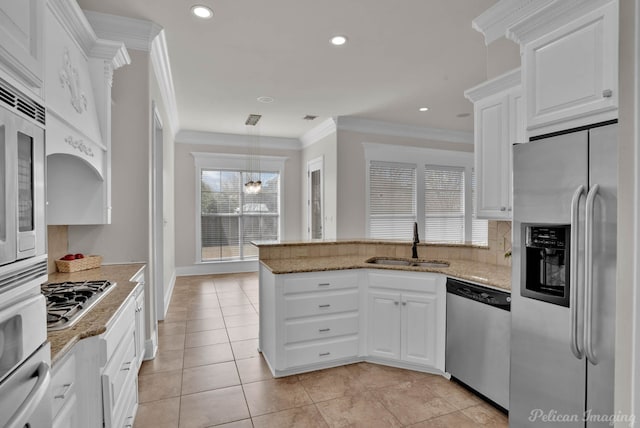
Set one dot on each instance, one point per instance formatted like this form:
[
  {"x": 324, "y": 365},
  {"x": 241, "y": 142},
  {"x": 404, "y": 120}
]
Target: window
[
  {"x": 435, "y": 188},
  {"x": 444, "y": 194},
  {"x": 392, "y": 200},
  {"x": 228, "y": 218}
]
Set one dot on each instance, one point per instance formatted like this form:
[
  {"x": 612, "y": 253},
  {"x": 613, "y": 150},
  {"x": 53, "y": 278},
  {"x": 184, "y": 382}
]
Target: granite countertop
[
  {"x": 481, "y": 273},
  {"x": 95, "y": 321}
]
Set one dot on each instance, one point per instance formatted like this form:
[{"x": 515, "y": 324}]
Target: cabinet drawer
[
  {"x": 119, "y": 375},
  {"x": 321, "y": 351},
  {"x": 123, "y": 325},
  {"x": 320, "y": 281},
  {"x": 318, "y": 328},
  {"x": 63, "y": 385},
  {"x": 329, "y": 302}
]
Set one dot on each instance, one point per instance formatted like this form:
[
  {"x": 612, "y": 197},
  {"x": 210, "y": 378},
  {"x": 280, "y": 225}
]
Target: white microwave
[{"x": 22, "y": 176}]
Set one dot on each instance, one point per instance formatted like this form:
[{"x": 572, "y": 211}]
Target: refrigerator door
[
  {"x": 603, "y": 155},
  {"x": 546, "y": 378}
]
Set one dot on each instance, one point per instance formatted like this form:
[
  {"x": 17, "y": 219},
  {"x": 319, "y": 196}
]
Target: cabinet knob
[
  {"x": 396, "y": 303},
  {"x": 607, "y": 93},
  {"x": 503, "y": 208},
  {"x": 404, "y": 303}
]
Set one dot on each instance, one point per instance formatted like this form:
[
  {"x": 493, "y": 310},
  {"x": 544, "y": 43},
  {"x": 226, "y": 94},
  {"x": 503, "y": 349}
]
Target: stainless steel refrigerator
[{"x": 564, "y": 280}]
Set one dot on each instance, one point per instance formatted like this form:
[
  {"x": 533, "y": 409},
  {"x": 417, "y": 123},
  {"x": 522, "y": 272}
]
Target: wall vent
[
  {"x": 310, "y": 117},
  {"x": 18, "y": 102}
]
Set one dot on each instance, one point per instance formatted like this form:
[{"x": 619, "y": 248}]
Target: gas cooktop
[{"x": 67, "y": 302}]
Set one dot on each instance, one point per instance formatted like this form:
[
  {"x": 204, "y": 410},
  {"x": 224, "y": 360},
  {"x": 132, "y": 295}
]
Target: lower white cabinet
[
  {"x": 407, "y": 318},
  {"x": 310, "y": 321},
  {"x": 64, "y": 393},
  {"x": 96, "y": 382}
]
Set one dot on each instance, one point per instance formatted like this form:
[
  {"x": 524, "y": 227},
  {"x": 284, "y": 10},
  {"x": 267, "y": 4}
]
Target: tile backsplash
[
  {"x": 57, "y": 244},
  {"x": 499, "y": 243}
]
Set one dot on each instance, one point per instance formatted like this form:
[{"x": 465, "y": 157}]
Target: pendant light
[{"x": 253, "y": 184}]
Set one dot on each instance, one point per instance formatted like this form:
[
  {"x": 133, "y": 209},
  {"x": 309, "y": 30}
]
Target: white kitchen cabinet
[
  {"x": 407, "y": 319},
  {"x": 315, "y": 320},
  {"x": 498, "y": 124},
  {"x": 139, "y": 324},
  {"x": 64, "y": 387},
  {"x": 78, "y": 72},
  {"x": 21, "y": 41},
  {"x": 570, "y": 69},
  {"x": 309, "y": 321}
]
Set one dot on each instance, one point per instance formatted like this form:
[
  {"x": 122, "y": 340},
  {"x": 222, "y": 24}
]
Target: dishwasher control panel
[{"x": 488, "y": 296}]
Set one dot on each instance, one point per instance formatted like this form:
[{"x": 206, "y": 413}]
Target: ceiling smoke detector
[
  {"x": 310, "y": 117},
  {"x": 252, "y": 119}
]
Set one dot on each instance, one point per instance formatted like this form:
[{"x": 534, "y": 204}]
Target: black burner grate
[{"x": 68, "y": 301}]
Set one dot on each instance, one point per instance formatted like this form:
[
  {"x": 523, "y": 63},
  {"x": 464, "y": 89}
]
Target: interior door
[{"x": 315, "y": 199}]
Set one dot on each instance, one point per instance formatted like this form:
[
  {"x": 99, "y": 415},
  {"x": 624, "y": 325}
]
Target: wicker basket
[{"x": 88, "y": 262}]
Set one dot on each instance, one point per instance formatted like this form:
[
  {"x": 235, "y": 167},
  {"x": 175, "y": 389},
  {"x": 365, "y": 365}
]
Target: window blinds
[
  {"x": 392, "y": 200},
  {"x": 444, "y": 204}
]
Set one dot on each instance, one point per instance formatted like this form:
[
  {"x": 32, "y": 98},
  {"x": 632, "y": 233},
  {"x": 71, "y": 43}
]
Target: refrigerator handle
[
  {"x": 576, "y": 347},
  {"x": 588, "y": 274}
]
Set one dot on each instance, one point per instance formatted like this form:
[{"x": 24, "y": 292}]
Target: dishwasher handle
[{"x": 480, "y": 294}]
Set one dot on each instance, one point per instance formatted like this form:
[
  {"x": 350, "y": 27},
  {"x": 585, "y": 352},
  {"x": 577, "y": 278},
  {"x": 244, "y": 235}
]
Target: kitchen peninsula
[{"x": 325, "y": 304}]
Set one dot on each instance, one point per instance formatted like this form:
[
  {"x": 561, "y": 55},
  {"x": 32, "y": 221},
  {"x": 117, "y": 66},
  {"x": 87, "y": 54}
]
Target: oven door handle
[
  {"x": 21, "y": 417},
  {"x": 576, "y": 348}
]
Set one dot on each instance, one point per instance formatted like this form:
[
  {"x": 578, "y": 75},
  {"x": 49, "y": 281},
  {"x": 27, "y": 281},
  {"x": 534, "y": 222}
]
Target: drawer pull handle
[
  {"x": 62, "y": 396},
  {"x": 324, "y": 330},
  {"x": 324, "y": 306},
  {"x": 324, "y": 354},
  {"x": 126, "y": 366},
  {"x": 324, "y": 284},
  {"x": 404, "y": 303}
]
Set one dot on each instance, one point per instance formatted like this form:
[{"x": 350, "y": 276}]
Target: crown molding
[
  {"x": 162, "y": 70},
  {"x": 505, "y": 81},
  {"x": 495, "y": 21},
  {"x": 114, "y": 52},
  {"x": 350, "y": 123},
  {"x": 73, "y": 20},
  {"x": 552, "y": 17},
  {"x": 321, "y": 131},
  {"x": 137, "y": 34},
  {"x": 235, "y": 140}
]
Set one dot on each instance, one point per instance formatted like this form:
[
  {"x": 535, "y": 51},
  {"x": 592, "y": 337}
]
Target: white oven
[
  {"x": 22, "y": 176},
  {"x": 25, "y": 356}
]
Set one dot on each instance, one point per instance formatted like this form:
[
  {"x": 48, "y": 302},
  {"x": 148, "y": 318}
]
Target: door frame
[
  {"x": 316, "y": 164},
  {"x": 157, "y": 212}
]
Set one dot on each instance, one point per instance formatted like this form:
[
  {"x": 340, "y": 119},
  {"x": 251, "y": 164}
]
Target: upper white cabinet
[
  {"x": 78, "y": 74},
  {"x": 498, "y": 124},
  {"x": 570, "y": 65},
  {"x": 21, "y": 38}
]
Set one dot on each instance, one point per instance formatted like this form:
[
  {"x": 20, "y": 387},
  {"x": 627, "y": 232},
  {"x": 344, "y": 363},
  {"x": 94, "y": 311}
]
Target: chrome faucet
[{"x": 416, "y": 240}]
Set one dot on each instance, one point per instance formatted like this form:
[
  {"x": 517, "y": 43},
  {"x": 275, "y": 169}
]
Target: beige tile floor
[{"x": 209, "y": 373}]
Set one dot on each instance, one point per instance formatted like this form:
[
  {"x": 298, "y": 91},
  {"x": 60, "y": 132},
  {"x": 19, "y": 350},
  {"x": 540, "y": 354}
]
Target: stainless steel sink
[{"x": 388, "y": 261}]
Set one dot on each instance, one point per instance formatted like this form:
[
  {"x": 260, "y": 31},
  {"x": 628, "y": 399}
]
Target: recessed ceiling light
[
  {"x": 266, "y": 100},
  {"x": 338, "y": 40},
  {"x": 423, "y": 109},
  {"x": 200, "y": 11}
]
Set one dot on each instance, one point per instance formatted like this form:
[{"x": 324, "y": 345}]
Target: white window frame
[
  {"x": 316, "y": 164},
  {"x": 420, "y": 157},
  {"x": 233, "y": 162}
]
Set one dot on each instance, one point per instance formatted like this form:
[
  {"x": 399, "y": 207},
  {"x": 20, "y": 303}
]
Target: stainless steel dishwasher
[{"x": 478, "y": 339}]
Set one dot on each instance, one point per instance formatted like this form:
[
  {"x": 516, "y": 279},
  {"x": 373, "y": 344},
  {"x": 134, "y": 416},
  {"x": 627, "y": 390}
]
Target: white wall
[
  {"x": 185, "y": 197},
  {"x": 126, "y": 238},
  {"x": 351, "y": 197},
  {"x": 327, "y": 148}
]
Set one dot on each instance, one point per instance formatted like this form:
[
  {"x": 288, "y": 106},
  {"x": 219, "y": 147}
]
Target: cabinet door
[
  {"x": 571, "y": 73},
  {"x": 139, "y": 329},
  {"x": 68, "y": 416},
  {"x": 492, "y": 154},
  {"x": 384, "y": 324},
  {"x": 21, "y": 24},
  {"x": 419, "y": 329}
]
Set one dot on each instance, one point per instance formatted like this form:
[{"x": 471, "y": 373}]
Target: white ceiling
[{"x": 401, "y": 55}]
